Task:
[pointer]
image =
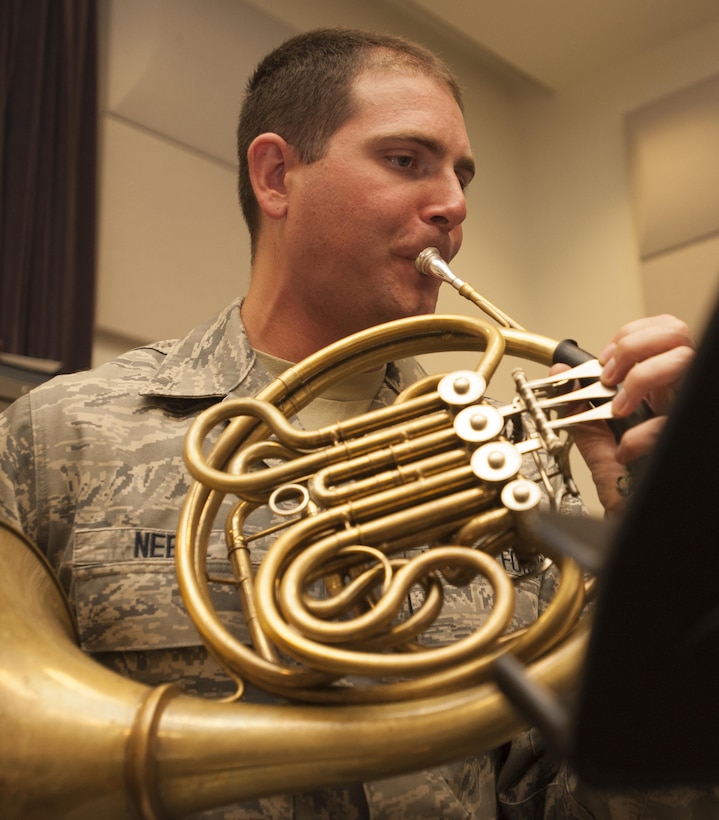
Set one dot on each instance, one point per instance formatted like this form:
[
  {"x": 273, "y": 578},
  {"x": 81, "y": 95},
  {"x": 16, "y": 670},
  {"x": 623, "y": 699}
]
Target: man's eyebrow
[{"x": 465, "y": 163}]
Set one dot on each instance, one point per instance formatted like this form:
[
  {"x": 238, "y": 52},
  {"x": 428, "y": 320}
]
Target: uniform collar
[
  {"x": 215, "y": 358},
  {"x": 210, "y": 362}
]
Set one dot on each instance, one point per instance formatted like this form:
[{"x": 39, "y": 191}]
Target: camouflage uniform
[{"x": 92, "y": 471}]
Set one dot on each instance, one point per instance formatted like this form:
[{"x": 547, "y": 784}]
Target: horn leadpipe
[{"x": 430, "y": 263}]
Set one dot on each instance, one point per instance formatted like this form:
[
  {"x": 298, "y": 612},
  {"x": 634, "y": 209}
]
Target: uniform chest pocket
[{"x": 125, "y": 592}]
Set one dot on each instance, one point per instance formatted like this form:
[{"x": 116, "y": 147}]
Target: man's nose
[{"x": 447, "y": 206}]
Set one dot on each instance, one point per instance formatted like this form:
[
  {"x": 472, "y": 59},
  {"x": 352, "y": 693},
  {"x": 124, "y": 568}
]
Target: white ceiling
[{"x": 557, "y": 42}]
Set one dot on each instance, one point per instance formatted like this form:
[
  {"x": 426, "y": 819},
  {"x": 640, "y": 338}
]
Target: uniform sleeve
[{"x": 18, "y": 484}]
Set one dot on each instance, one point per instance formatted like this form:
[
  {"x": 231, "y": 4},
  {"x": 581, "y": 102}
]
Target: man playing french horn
[{"x": 353, "y": 159}]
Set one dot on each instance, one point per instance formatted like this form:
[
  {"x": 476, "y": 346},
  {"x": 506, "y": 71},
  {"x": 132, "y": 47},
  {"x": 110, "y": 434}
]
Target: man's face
[{"x": 390, "y": 184}]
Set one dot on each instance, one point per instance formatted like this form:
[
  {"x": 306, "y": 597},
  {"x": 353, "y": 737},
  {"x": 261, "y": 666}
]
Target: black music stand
[
  {"x": 646, "y": 713},
  {"x": 648, "y": 707}
]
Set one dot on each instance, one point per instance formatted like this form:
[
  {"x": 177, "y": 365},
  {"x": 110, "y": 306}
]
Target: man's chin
[{"x": 425, "y": 306}]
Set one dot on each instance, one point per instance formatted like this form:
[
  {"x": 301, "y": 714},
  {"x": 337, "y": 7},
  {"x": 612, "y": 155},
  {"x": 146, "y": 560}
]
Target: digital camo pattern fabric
[{"x": 91, "y": 469}]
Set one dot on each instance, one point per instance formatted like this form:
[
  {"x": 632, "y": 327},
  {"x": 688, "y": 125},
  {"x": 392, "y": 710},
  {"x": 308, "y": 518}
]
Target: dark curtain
[{"x": 48, "y": 148}]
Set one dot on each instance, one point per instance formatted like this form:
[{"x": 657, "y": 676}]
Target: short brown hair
[{"x": 301, "y": 91}]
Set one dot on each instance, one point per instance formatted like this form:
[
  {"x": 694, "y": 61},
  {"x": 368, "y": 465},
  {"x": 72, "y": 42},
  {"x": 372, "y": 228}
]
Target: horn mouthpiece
[{"x": 430, "y": 263}]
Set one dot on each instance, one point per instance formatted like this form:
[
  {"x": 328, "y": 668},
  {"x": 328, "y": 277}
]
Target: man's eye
[{"x": 402, "y": 160}]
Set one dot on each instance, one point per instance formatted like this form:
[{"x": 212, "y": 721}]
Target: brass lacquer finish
[{"x": 409, "y": 498}]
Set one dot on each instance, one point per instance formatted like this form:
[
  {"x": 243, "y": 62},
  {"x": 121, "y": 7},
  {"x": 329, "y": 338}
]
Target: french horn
[{"x": 414, "y": 496}]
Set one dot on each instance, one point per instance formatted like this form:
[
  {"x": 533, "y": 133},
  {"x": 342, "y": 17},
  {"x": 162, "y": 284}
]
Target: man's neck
[
  {"x": 274, "y": 326},
  {"x": 277, "y": 320}
]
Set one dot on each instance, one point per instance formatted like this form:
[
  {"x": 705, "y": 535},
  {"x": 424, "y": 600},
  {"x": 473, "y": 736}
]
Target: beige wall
[
  {"x": 551, "y": 236},
  {"x": 583, "y": 238}
]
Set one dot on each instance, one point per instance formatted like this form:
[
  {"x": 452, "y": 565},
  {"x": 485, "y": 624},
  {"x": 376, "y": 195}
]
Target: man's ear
[{"x": 268, "y": 158}]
